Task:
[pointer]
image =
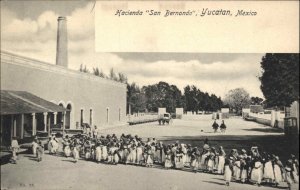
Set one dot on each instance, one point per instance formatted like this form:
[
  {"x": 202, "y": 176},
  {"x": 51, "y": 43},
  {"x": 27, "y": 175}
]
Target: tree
[
  {"x": 196, "y": 100},
  {"x": 280, "y": 79},
  {"x": 237, "y": 99},
  {"x": 83, "y": 69},
  {"x": 135, "y": 99},
  {"x": 163, "y": 95},
  {"x": 101, "y": 74},
  {"x": 191, "y": 99},
  {"x": 96, "y": 71},
  {"x": 112, "y": 75},
  {"x": 256, "y": 101},
  {"x": 122, "y": 78}
]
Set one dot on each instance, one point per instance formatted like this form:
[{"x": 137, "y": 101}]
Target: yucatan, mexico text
[{"x": 186, "y": 13}]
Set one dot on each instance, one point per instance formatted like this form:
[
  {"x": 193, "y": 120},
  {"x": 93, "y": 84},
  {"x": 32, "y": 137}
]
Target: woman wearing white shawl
[
  {"x": 228, "y": 170},
  {"x": 278, "y": 167},
  {"x": 55, "y": 145},
  {"x": 110, "y": 154},
  {"x": 34, "y": 146},
  {"x": 269, "y": 170},
  {"x": 237, "y": 169},
  {"x": 188, "y": 156},
  {"x": 133, "y": 154},
  {"x": 195, "y": 159},
  {"x": 139, "y": 154},
  {"x": 256, "y": 173},
  {"x": 104, "y": 153},
  {"x": 203, "y": 160},
  {"x": 149, "y": 157},
  {"x": 295, "y": 168},
  {"x": 221, "y": 162},
  {"x": 210, "y": 162},
  {"x": 75, "y": 153},
  {"x": 50, "y": 147},
  {"x": 168, "y": 162},
  {"x": 98, "y": 153},
  {"x": 244, "y": 166},
  {"x": 67, "y": 149},
  {"x": 184, "y": 153},
  {"x": 178, "y": 159},
  {"x": 163, "y": 155},
  {"x": 114, "y": 152}
]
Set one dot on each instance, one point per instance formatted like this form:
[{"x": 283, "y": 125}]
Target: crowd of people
[{"x": 241, "y": 166}]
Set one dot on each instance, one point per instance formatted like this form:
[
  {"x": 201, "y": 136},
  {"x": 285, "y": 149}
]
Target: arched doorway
[
  {"x": 60, "y": 116},
  {"x": 68, "y": 116}
]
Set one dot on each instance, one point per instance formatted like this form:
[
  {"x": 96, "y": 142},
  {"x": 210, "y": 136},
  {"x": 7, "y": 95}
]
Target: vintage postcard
[{"x": 170, "y": 95}]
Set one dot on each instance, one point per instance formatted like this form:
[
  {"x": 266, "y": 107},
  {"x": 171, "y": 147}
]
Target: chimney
[{"x": 62, "y": 42}]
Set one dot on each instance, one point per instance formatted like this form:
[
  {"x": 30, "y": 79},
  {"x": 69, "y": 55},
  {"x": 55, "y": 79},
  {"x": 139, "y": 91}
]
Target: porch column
[
  {"x": 64, "y": 122},
  {"x": 15, "y": 127},
  {"x": 12, "y": 126},
  {"x": 45, "y": 121},
  {"x": 48, "y": 126},
  {"x": 33, "y": 124},
  {"x": 129, "y": 109},
  {"x": 22, "y": 126},
  {"x": 55, "y": 118}
]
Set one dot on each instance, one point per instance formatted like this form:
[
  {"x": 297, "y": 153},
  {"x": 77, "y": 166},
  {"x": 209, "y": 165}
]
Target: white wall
[{"x": 61, "y": 85}]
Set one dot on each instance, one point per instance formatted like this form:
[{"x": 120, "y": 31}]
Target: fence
[{"x": 142, "y": 118}]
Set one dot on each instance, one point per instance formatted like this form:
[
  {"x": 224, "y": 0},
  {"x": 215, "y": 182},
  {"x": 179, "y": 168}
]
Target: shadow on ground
[
  {"x": 213, "y": 182},
  {"x": 266, "y": 130}
]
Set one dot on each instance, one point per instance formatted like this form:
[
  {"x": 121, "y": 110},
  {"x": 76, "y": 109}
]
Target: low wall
[
  {"x": 141, "y": 118},
  {"x": 197, "y": 117},
  {"x": 263, "y": 121},
  {"x": 261, "y": 116},
  {"x": 266, "y": 119}
]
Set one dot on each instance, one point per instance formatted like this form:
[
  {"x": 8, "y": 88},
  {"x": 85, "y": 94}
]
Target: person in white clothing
[{"x": 14, "y": 148}]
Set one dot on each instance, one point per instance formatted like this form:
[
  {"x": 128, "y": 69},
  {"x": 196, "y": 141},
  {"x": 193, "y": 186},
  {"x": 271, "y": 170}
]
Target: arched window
[
  {"x": 91, "y": 117},
  {"x": 81, "y": 117},
  {"x": 107, "y": 115},
  {"x": 59, "y": 115}
]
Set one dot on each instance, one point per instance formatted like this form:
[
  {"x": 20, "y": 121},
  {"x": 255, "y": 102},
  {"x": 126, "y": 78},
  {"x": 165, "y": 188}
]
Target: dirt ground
[
  {"x": 57, "y": 172},
  {"x": 195, "y": 127},
  {"x": 239, "y": 134}
]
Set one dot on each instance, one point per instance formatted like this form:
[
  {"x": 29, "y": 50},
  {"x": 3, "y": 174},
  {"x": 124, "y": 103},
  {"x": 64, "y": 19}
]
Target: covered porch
[{"x": 24, "y": 115}]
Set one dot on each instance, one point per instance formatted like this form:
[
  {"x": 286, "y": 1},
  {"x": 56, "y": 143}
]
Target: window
[
  {"x": 91, "y": 117},
  {"x": 107, "y": 115},
  {"x": 81, "y": 117}
]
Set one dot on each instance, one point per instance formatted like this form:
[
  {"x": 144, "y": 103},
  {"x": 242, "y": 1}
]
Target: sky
[{"x": 29, "y": 28}]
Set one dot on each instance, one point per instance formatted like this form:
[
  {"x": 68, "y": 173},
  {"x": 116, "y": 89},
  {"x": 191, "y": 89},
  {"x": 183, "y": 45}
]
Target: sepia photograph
[{"x": 172, "y": 95}]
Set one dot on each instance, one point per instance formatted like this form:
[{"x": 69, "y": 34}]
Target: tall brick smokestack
[{"x": 62, "y": 42}]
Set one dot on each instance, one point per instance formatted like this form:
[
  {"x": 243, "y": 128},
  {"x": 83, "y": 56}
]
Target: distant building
[
  {"x": 179, "y": 113},
  {"x": 224, "y": 110},
  {"x": 224, "y": 113}
]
